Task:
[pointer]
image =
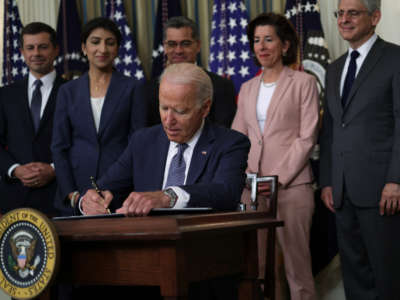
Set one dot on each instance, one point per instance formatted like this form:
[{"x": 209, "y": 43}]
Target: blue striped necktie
[{"x": 177, "y": 168}]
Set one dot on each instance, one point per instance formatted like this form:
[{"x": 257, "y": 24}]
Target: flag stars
[
  {"x": 232, "y": 7},
  {"x": 220, "y": 56},
  {"x": 230, "y": 71},
  {"x": 139, "y": 74},
  {"x": 128, "y": 45},
  {"x": 244, "y": 39},
  {"x": 127, "y": 59},
  {"x": 127, "y": 30},
  {"x": 221, "y": 41},
  {"x": 232, "y": 40},
  {"x": 244, "y": 56},
  {"x": 242, "y": 7},
  {"x": 307, "y": 7},
  {"x": 117, "y": 16},
  {"x": 232, "y": 23},
  {"x": 137, "y": 61},
  {"x": 231, "y": 55},
  {"x": 244, "y": 71},
  {"x": 243, "y": 22}
]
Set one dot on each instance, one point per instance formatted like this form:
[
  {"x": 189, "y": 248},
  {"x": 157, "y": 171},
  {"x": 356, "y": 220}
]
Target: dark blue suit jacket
[
  {"x": 20, "y": 144},
  {"x": 216, "y": 174},
  {"x": 78, "y": 150}
]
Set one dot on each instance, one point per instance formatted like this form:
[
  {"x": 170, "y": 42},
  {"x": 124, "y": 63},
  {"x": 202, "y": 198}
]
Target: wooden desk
[{"x": 165, "y": 251}]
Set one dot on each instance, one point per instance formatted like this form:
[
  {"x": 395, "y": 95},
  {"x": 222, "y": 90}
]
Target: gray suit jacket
[{"x": 360, "y": 143}]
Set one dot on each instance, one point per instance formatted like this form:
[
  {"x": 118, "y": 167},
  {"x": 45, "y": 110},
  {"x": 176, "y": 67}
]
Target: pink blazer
[{"x": 290, "y": 130}]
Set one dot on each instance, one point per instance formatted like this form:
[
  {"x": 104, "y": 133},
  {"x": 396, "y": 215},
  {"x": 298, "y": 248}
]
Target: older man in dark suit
[
  {"x": 26, "y": 122},
  {"x": 360, "y": 153},
  {"x": 182, "y": 44},
  {"x": 185, "y": 162}
]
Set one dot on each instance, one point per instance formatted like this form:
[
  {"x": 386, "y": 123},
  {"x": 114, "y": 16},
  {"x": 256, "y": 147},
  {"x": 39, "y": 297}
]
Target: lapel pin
[{"x": 204, "y": 152}]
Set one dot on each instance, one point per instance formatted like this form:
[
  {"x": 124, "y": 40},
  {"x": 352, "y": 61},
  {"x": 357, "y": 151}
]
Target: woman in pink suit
[{"x": 278, "y": 111}]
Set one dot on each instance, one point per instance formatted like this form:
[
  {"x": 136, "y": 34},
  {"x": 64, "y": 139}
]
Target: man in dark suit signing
[
  {"x": 360, "y": 154},
  {"x": 185, "y": 162},
  {"x": 26, "y": 123},
  {"x": 182, "y": 44}
]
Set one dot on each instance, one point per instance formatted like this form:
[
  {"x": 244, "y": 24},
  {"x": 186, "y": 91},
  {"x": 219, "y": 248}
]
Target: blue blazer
[
  {"x": 216, "y": 174},
  {"x": 20, "y": 144},
  {"x": 79, "y": 151}
]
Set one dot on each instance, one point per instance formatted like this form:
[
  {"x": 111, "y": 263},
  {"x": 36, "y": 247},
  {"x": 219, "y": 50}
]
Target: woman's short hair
[
  {"x": 284, "y": 30},
  {"x": 103, "y": 23}
]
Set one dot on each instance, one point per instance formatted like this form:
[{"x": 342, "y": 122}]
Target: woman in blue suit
[{"x": 95, "y": 116}]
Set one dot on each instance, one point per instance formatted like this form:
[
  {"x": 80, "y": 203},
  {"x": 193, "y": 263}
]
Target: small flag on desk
[
  {"x": 127, "y": 62},
  {"x": 230, "y": 54},
  {"x": 14, "y": 67},
  {"x": 70, "y": 62}
]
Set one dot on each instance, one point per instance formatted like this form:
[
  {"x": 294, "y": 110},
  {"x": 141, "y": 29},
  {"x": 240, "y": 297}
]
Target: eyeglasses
[
  {"x": 353, "y": 14},
  {"x": 182, "y": 44}
]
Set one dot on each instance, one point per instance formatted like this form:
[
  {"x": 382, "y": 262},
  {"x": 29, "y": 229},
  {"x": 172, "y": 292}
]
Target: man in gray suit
[{"x": 360, "y": 154}]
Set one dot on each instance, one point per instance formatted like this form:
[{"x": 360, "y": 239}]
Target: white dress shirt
[{"x": 363, "y": 50}]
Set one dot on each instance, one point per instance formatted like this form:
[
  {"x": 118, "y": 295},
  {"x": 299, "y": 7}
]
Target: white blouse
[
  {"x": 97, "y": 106},
  {"x": 264, "y": 99}
]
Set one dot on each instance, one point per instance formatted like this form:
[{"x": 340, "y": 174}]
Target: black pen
[{"x": 96, "y": 187}]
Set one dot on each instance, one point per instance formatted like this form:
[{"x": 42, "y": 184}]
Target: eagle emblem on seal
[{"x": 23, "y": 250}]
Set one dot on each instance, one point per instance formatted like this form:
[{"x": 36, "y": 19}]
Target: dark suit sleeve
[
  {"x": 393, "y": 174},
  {"x": 223, "y": 108},
  {"x": 140, "y": 114},
  {"x": 61, "y": 143},
  {"x": 118, "y": 178},
  {"x": 326, "y": 145},
  {"x": 225, "y": 175},
  {"x": 6, "y": 159}
]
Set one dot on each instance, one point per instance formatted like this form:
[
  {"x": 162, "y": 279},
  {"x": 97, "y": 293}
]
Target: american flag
[
  {"x": 14, "y": 67},
  {"x": 127, "y": 61},
  {"x": 165, "y": 10},
  {"x": 70, "y": 62},
  {"x": 314, "y": 55},
  {"x": 230, "y": 54}
]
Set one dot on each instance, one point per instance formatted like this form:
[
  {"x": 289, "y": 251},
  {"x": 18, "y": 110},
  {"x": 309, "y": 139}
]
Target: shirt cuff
[
  {"x": 80, "y": 206},
  {"x": 183, "y": 197},
  {"x": 52, "y": 165},
  {"x": 11, "y": 170}
]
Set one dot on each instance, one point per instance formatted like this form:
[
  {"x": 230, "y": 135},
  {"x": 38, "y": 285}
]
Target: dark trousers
[{"x": 369, "y": 247}]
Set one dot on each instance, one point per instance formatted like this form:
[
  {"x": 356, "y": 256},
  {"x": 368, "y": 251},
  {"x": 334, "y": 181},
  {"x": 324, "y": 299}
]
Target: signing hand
[
  {"x": 93, "y": 204},
  {"x": 140, "y": 204},
  {"x": 390, "y": 199},
  {"x": 326, "y": 196}
]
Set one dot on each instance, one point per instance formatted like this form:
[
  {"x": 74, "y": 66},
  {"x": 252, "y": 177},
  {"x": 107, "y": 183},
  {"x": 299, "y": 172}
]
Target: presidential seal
[{"x": 29, "y": 253}]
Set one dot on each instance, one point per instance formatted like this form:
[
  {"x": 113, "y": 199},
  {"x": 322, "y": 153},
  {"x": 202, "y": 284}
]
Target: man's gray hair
[
  {"x": 190, "y": 74},
  {"x": 371, "y": 5},
  {"x": 181, "y": 22}
]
